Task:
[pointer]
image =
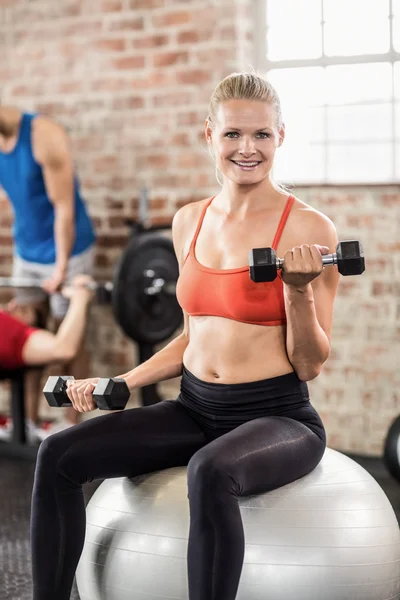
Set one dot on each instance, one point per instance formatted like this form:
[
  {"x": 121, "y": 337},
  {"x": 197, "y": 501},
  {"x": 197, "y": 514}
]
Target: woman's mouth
[{"x": 247, "y": 165}]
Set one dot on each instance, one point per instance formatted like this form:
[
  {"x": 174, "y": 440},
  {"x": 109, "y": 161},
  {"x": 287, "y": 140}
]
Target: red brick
[
  {"x": 153, "y": 160},
  {"x": 193, "y": 36},
  {"x": 105, "y": 163},
  {"x": 117, "y": 45},
  {"x": 70, "y": 87},
  {"x": 167, "y": 59},
  {"x": 151, "y": 41},
  {"x": 111, "y": 241},
  {"x": 158, "y": 203},
  {"x": 111, "y": 6},
  {"x": 180, "y": 139},
  {"x": 191, "y": 159},
  {"x": 6, "y": 240},
  {"x": 79, "y": 28},
  {"x": 194, "y": 76},
  {"x": 135, "y": 24},
  {"x": 172, "y": 99},
  {"x": 161, "y": 221},
  {"x": 172, "y": 18},
  {"x": 128, "y": 103},
  {"x": 389, "y": 247},
  {"x": 360, "y": 221},
  {"x": 110, "y": 84},
  {"x": 117, "y": 222},
  {"x": 154, "y": 79},
  {"x": 173, "y": 181},
  {"x": 102, "y": 260},
  {"x": 190, "y": 118},
  {"x": 113, "y": 203},
  {"x": 146, "y": 4},
  {"x": 130, "y": 62},
  {"x": 390, "y": 200}
]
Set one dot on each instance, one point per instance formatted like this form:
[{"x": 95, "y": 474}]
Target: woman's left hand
[{"x": 302, "y": 264}]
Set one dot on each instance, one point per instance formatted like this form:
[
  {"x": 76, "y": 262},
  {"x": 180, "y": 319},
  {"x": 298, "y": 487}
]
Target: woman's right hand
[{"x": 80, "y": 392}]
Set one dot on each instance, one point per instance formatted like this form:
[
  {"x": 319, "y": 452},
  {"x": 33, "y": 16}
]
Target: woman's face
[{"x": 244, "y": 139}]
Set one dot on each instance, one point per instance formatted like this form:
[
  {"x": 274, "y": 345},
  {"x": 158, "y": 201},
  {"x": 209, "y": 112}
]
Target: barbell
[{"x": 142, "y": 292}]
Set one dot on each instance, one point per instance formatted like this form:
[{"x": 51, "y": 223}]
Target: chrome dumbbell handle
[{"x": 327, "y": 259}]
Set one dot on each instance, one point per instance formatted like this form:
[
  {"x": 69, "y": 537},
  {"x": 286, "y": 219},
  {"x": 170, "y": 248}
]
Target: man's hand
[
  {"x": 82, "y": 286},
  {"x": 54, "y": 283}
]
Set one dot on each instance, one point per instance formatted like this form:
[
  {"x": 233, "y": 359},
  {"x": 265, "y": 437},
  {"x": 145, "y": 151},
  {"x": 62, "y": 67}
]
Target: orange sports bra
[{"x": 230, "y": 293}]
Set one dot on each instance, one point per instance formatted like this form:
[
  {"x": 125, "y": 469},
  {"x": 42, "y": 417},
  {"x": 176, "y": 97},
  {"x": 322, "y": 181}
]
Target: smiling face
[{"x": 244, "y": 138}]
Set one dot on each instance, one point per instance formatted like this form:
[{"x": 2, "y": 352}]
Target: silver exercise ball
[{"x": 332, "y": 534}]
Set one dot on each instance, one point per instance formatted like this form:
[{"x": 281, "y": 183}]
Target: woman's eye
[{"x": 234, "y": 134}]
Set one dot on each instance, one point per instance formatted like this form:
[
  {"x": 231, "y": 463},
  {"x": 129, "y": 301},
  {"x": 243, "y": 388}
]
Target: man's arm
[
  {"x": 52, "y": 151},
  {"x": 43, "y": 347}
]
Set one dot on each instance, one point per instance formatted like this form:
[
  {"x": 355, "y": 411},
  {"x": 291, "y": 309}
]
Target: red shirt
[{"x": 13, "y": 335}]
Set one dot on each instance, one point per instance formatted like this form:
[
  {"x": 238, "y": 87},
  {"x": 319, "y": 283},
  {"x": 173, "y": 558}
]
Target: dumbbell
[
  {"x": 109, "y": 394},
  {"x": 349, "y": 259}
]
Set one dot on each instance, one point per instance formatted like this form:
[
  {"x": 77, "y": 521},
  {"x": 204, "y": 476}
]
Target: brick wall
[{"x": 130, "y": 80}]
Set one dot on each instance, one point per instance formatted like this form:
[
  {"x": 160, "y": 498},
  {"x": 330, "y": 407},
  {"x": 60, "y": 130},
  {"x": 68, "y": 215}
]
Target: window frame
[{"x": 264, "y": 65}]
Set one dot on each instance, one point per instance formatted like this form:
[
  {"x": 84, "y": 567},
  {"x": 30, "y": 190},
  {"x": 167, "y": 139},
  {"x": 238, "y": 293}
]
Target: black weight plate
[
  {"x": 144, "y": 318},
  {"x": 392, "y": 449}
]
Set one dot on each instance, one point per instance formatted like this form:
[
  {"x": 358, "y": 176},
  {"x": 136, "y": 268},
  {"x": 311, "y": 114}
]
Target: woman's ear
[
  {"x": 281, "y": 134},
  {"x": 208, "y": 131}
]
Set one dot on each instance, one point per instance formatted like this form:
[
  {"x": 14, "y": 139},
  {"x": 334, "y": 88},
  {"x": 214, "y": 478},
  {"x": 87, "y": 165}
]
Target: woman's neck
[{"x": 244, "y": 200}]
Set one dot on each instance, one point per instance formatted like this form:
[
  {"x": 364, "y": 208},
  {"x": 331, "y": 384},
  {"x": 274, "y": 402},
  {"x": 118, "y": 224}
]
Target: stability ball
[{"x": 332, "y": 534}]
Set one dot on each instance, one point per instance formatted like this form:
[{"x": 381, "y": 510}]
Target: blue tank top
[{"x": 22, "y": 179}]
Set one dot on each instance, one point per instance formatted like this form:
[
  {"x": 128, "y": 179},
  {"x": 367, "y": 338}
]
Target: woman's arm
[{"x": 309, "y": 294}]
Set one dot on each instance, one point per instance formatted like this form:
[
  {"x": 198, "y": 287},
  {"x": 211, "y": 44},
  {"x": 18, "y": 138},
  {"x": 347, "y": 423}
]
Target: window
[{"x": 336, "y": 67}]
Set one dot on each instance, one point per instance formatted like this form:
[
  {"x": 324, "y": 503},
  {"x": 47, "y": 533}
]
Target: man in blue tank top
[{"x": 53, "y": 235}]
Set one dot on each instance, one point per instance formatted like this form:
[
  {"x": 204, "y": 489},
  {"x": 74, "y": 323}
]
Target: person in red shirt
[{"x": 23, "y": 345}]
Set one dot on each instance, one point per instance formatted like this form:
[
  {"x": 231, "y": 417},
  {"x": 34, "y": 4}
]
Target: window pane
[
  {"x": 298, "y": 87},
  {"x": 396, "y": 25},
  {"x": 397, "y": 80},
  {"x": 294, "y": 29},
  {"x": 304, "y": 125},
  {"x": 299, "y": 163},
  {"x": 397, "y": 174},
  {"x": 346, "y": 84},
  {"x": 360, "y": 122},
  {"x": 396, "y": 33},
  {"x": 360, "y": 163},
  {"x": 397, "y": 121},
  {"x": 363, "y": 29}
]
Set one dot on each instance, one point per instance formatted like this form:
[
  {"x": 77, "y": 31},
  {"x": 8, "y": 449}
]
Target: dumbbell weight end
[
  {"x": 111, "y": 394},
  {"x": 55, "y": 391}
]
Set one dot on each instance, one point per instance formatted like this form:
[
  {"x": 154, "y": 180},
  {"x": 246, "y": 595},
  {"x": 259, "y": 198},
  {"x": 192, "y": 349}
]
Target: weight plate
[
  {"x": 392, "y": 449},
  {"x": 146, "y": 318}
]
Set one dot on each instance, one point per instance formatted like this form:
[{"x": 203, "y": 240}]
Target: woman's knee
[
  {"x": 54, "y": 455},
  {"x": 208, "y": 470}
]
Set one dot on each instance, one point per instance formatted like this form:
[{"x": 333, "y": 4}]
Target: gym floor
[{"x": 16, "y": 478}]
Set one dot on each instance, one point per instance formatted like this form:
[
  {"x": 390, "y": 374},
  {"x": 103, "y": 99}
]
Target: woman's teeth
[{"x": 246, "y": 165}]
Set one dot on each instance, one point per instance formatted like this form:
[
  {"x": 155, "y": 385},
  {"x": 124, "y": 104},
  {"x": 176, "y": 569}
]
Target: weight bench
[{"x": 17, "y": 447}]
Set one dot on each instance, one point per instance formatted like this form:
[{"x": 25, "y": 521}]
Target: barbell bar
[{"x": 157, "y": 285}]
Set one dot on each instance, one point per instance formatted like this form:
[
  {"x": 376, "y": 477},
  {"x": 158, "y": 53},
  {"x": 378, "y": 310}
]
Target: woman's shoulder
[
  {"x": 185, "y": 221},
  {"x": 188, "y": 215},
  {"x": 311, "y": 223}
]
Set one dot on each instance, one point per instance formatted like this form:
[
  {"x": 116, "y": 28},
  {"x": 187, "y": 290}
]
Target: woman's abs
[{"x": 226, "y": 351}]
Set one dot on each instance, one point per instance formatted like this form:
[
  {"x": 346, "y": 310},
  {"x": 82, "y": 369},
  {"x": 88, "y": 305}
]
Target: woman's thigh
[
  {"x": 263, "y": 454},
  {"x": 126, "y": 443}
]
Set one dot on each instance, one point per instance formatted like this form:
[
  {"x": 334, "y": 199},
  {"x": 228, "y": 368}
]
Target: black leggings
[{"x": 239, "y": 439}]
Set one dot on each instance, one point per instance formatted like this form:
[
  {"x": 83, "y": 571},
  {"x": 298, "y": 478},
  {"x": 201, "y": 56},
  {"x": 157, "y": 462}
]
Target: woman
[{"x": 243, "y": 422}]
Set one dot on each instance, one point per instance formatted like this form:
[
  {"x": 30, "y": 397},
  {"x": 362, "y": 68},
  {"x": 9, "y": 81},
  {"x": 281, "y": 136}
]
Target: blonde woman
[{"x": 243, "y": 422}]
